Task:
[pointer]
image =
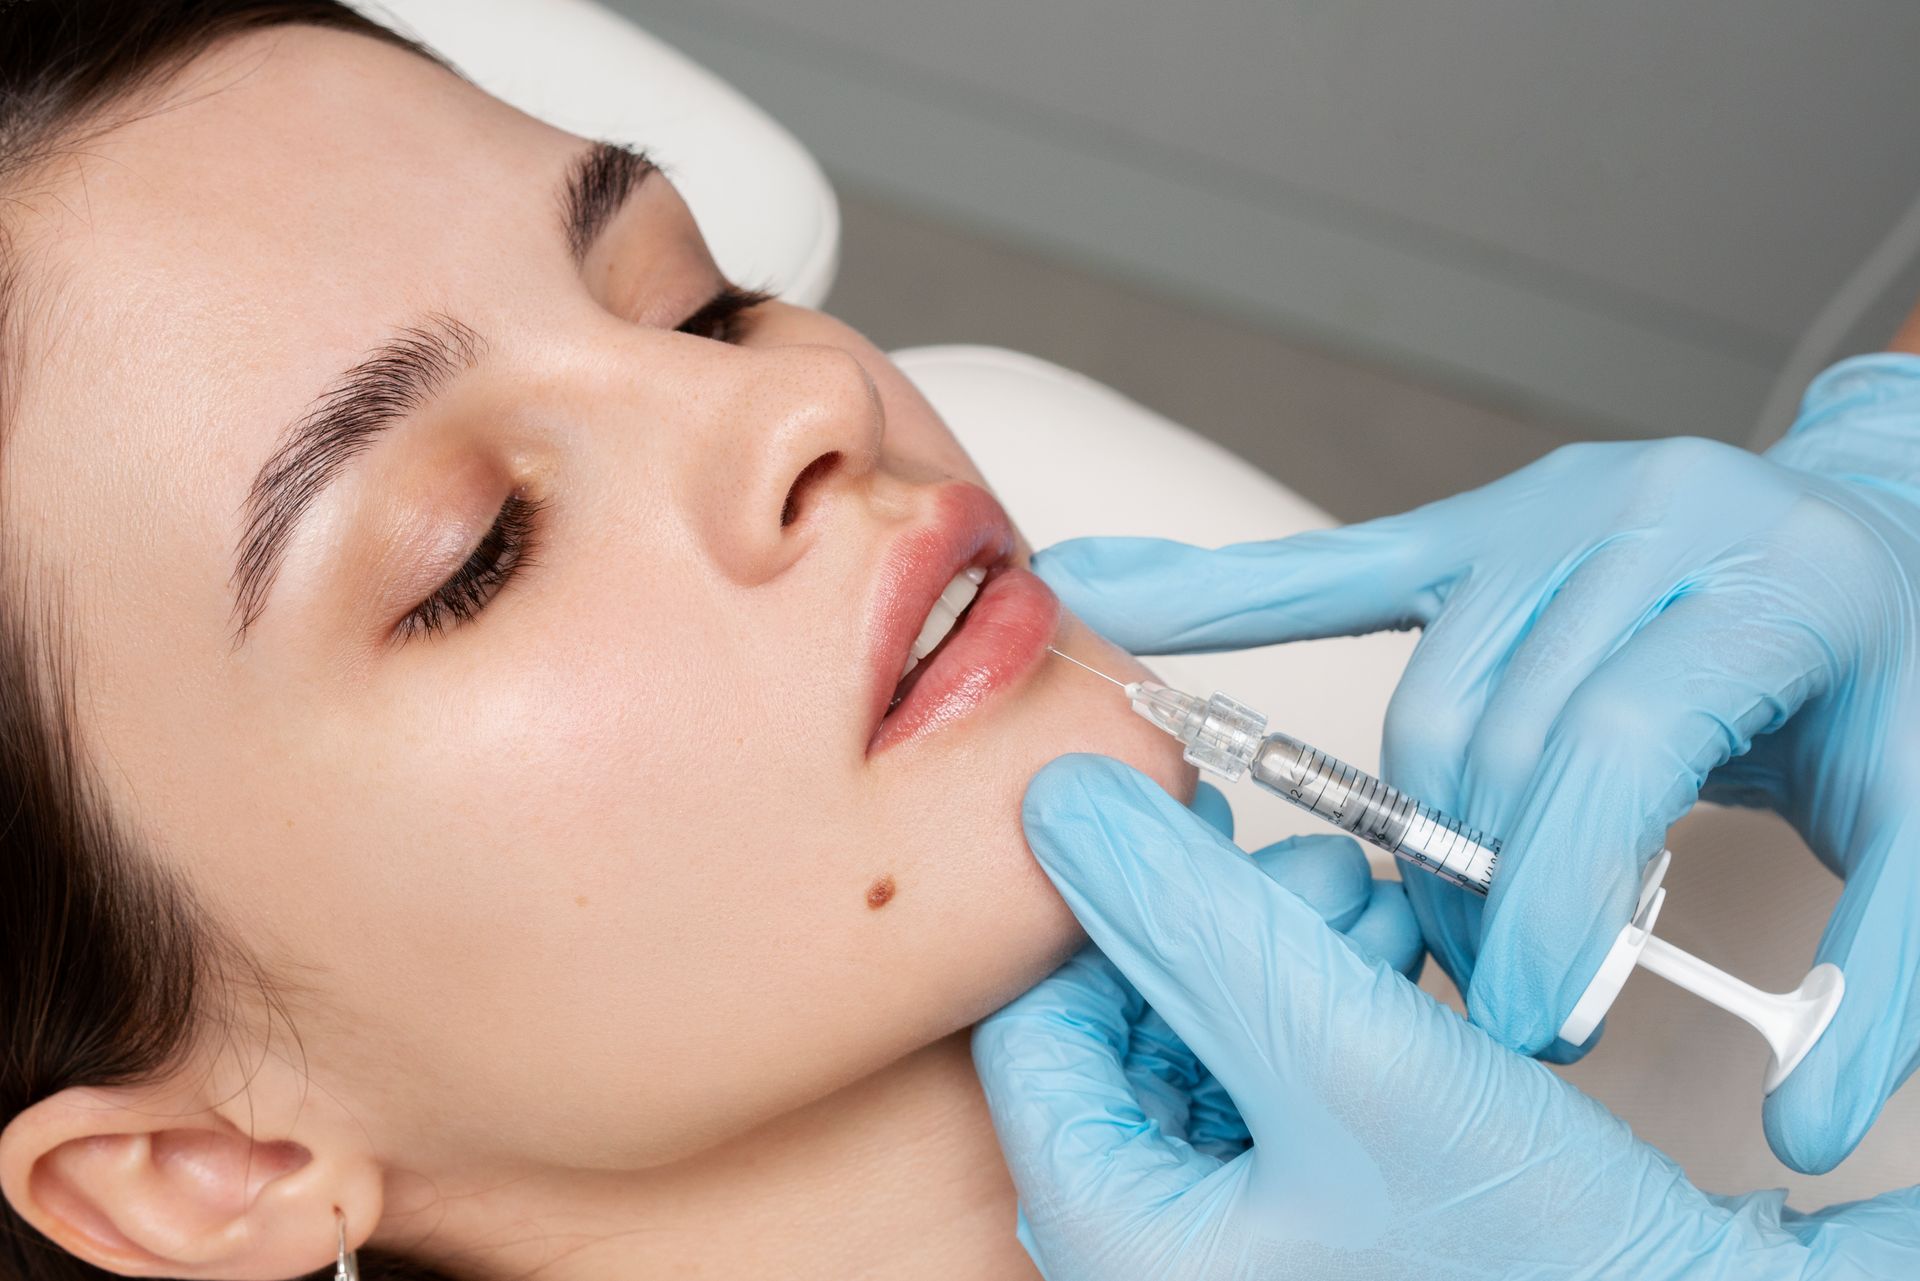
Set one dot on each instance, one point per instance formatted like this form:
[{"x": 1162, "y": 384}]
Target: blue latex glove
[
  {"x": 1331, "y": 875},
  {"x": 1389, "y": 1137},
  {"x": 1609, "y": 634}
]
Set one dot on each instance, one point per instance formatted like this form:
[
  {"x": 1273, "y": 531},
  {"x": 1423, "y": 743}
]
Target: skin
[
  {"x": 571, "y": 989},
  {"x": 1907, "y": 339}
]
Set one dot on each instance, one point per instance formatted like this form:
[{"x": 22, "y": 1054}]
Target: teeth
[
  {"x": 954, "y": 599},
  {"x": 957, "y": 594}
]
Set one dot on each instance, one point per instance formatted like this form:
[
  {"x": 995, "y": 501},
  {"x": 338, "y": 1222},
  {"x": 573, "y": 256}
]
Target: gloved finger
[
  {"x": 1387, "y": 930},
  {"x": 1175, "y": 1089},
  {"x": 1605, "y": 595},
  {"x": 1624, "y": 760},
  {"x": 1178, "y": 1094},
  {"x": 1588, "y": 609},
  {"x": 1874, "y": 1238},
  {"x": 1332, "y": 876},
  {"x": 1210, "y": 804},
  {"x": 1469, "y": 719},
  {"x": 1431, "y": 719},
  {"x": 1221, "y": 952},
  {"x": 1329, "y": 873},
  {"x": 1826, "y": 1105},
  {"x": 1067, "y": 1116},
  {"x": 1163, "y": 1073},
  {"x": 1163, "y": 1070},
  {"x": 1153, "y": 596},
  {"x": 1448, "y": 918},
  {"x": 1618, "y": 587},
  {"x": 1215, "y": 1127}
]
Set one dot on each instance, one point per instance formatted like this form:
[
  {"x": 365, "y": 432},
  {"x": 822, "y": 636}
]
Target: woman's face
[{"x": 612, "y": 858}]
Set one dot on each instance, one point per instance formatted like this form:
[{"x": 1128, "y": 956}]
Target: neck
[{"x": 896, "y": 1175}]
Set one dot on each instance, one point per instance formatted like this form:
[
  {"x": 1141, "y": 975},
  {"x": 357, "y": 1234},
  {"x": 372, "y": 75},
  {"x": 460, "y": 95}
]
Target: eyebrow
[
  {"x": 597, "y": 188},
  {"x": 395, "y": 380}
]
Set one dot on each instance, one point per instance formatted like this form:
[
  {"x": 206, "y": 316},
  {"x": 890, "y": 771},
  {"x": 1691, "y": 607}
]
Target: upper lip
[{"x": 967, "y": 528}]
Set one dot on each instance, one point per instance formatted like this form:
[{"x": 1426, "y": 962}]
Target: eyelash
[
  {"x": 505, "y": 549},
  {"x": 719, "y": 317},
  {"x": 507, "y": 546}
]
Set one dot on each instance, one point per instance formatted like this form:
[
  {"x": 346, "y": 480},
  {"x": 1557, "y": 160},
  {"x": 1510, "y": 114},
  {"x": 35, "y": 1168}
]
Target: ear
[{"x": 161, "y": 1181}]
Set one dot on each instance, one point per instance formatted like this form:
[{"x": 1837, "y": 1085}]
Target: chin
[
  {"x": 1031, "y": 909},
  {"x": 1002, "y": 923},
  {"x": 1088, "y": 715}
]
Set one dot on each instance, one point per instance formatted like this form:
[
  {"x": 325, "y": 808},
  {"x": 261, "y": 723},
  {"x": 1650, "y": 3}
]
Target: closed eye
[
  {"x": 720, "y": 317},
  {"x": 503, "y": 551},
  {"x": 507, "y": 545}
]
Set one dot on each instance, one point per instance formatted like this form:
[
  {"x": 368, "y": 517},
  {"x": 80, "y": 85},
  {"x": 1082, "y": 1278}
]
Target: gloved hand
[
  {"x": 1609, "y": 634},
  {"x": 1331, "y": 875},
  {"x": 1389, "y": 1137}
]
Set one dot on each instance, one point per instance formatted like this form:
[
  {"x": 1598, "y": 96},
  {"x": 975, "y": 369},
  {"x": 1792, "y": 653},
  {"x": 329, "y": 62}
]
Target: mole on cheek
[{"x": 880, "y": 893}]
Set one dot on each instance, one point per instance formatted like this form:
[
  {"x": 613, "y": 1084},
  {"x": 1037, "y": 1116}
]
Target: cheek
[{"x": 576, "y": 914}]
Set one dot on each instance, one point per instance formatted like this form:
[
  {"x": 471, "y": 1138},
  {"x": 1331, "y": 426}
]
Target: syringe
[{"x": 1230, "y": 739}]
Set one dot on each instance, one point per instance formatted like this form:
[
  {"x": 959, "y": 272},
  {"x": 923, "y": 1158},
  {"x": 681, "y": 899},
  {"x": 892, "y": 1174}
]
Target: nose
[{"x": 790, "y": 432}]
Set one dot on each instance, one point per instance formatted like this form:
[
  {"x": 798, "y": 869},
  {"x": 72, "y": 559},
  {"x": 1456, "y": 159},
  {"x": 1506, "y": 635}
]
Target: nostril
[{"x": 814, "y": 471}]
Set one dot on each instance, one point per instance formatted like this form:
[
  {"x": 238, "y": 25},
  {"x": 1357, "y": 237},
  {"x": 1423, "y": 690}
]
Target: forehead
[
  {"x": 192, "y": 276},
  {"x": 289, "y": 159},
  {"x": 285, "y": 186}
]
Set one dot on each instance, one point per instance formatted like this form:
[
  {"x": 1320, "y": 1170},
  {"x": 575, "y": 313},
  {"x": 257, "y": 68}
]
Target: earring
[{"x": 348, "y": 1268}]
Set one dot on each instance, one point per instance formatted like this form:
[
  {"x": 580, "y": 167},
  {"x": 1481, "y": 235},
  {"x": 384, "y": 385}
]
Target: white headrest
[{"x": 761, "y": 201}]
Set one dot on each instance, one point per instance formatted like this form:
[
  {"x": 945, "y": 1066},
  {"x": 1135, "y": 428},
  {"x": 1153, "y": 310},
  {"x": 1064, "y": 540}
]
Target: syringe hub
[{"x": 1220, "y": 734}]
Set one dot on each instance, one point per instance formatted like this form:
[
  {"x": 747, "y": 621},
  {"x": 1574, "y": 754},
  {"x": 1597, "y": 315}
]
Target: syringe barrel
[{"x": 1379, "y": 815}]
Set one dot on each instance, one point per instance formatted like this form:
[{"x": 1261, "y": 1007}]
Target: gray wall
[{"x": 1619, "y": 214}]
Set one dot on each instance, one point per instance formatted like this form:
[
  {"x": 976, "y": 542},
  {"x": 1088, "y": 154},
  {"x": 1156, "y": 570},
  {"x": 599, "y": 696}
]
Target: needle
[{"x": 1096, "y": 671}]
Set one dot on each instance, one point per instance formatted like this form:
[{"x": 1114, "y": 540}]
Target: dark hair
[{"x": 110, "y": 970}]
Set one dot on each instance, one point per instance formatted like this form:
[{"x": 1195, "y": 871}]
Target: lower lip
[{"x": 1003, "y": 637}]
